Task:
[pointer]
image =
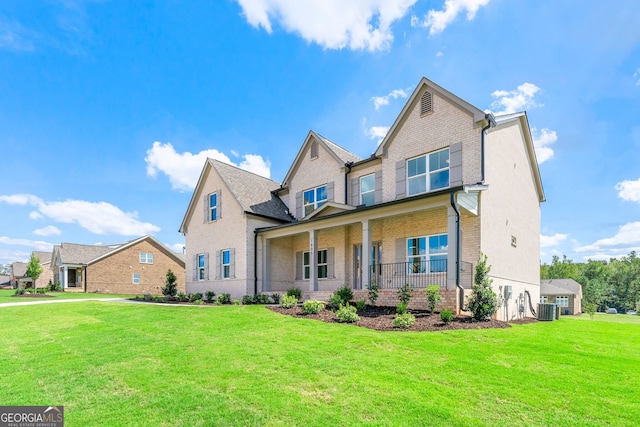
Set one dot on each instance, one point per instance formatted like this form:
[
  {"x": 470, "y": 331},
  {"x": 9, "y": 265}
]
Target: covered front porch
[{"x": 70, "y": 278}]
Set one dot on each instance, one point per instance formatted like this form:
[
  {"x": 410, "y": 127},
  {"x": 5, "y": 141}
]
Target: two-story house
[{"x": 447, "y": 183}]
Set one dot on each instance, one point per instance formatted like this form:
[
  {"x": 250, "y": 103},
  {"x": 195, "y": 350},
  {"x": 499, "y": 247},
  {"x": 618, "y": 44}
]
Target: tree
[
  {"x": 5, "y": 269},
  {"x": 483, "y": 302},
  {"x": 34, "y": 269},
  {"x": 170, "y": 288}
]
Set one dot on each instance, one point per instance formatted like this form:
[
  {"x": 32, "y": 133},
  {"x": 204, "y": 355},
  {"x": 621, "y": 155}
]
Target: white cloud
[
  {"x": 512, "y": 101},
  {"x": 97, "y": 217},
  {"x": 14, "y": 36},
  {"x": 542, "y": 141},
  {"x": 35, "y": 215},
  {"x": 637, "y": 76},
  {"x": 438, "y": 20},
  {"x": 629, "y": 190},
  {"x": 36, "y": 245},
  {"x": 49, "y": 230},
  {"x": 379, "y": 101},
  {"x": 183, "y": 169},
  {"x": 378, "y": 132},
  {"x": 550, "y": 241},
  {"x": 439, "y": 54},
  {"x": 332, "y": 24},
  {"x": 177, "y": 247},
  {"x": 627, "y": 239}
]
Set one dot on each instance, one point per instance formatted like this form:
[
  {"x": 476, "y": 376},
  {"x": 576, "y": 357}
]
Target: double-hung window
[
  {"x": 322, "y": 264},
  {"x": 429, "y": 172},
  {"x": 226, "y": 264},
  {"x": 427, "y": 254},
  {"x": 314, "y": 198},
  {"x": 146, "y": 258},
  {"x": 136, "y": 278},
  {"x": 213, "y": 206},
  {"x": 368, "y": 190},
  {"x": 202, "y": 265}
]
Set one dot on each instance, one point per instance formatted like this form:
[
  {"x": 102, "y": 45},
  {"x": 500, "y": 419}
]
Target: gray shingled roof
[
  {"x": 253, "y": 192},
  {"x": 560, "y": 287},
  {"x": 73, "y": 253},
  {"x": 19, "y": 269},
  {"x": 44, "y": 257},
  {"x": 345, "y": 155}
]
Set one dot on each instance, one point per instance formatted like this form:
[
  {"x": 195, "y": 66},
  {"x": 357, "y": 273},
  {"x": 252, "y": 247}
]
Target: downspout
[
  {"x": 458, "y": 286},
  {"x": 347, "y": 165},
  {"x": 255, "y": 262},
  {"x": 490, "y": 123}
]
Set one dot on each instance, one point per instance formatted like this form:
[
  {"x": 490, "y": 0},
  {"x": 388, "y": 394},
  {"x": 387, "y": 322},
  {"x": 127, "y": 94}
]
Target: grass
[
  {"x": 7, "y": 295},
  {"x": 149, "y": 365}
]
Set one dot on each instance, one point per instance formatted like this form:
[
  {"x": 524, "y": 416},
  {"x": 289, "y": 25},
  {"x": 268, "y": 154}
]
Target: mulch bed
[
  {"x": 34, "y": 296},
  {"x": 381, "y": 319}
]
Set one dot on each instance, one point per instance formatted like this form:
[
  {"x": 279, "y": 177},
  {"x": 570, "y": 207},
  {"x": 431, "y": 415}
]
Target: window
[
  {"x": 314, "y": 198},
  {"x": 226, "y": 264},
  {"x": 368, "y": 190},
  {"x": 427, "y": 254},
  {"x": 543, "y": 299},
  {"x": 323, "y": 266},
  {"x": 562, "y": 301},
  {"x": 213, "y": 206},
  {"x": 420, "y": 180},
  {"x": 202, "y": 265},
  {"x": 136, "y": 278},
  {"x": 146, "y": 258}
]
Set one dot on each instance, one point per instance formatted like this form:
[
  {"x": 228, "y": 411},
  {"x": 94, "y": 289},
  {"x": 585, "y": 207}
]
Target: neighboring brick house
[
  {"x": 19, "y": 277},
  {"x": 135, "y": 267},
  {"x": 18, "y": 271},
  {"x": 447, "y": 183},
  {"x": 567, "y": 293}
]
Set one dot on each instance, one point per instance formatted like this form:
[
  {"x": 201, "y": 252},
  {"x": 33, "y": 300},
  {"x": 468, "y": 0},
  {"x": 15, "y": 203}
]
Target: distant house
[
  {"x": 135, "y": 267},
  {"x": 18, "y": 271},
  {"x": 567, "y": 293},
  {"x": 447, "y": 183},
  {"x": 19, "y": 279},
  {"x": 5, "y": 281},
  {"x": 47, "y": 273}
]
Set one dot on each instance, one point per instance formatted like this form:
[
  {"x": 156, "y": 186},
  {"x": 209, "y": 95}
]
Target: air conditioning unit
[{"x": 547, "y": 311}]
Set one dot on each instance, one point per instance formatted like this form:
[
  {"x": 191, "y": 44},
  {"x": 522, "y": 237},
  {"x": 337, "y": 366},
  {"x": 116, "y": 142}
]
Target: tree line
[{"x": 614, "y": 283}]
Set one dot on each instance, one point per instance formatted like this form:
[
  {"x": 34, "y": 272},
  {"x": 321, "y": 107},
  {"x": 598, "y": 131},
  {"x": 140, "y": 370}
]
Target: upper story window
[
  {"x": 368, "y": 190},
  {"x": 146, "y": 258},
  {"x": 427, "y": 254},
  {"x": 213, "y": 206},
  {"x": 429, "y": 172},
  {"x": 314, "y": 198}
]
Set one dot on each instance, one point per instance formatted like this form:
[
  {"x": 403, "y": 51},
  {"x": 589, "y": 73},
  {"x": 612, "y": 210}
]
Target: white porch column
[
  {"x": 313, "y": 260},
  {"x": 65, "y": 281},
  {"x": 453, "y": 248},
  {"x": 366, "y": 254},
  {"x": 266, "y": 265}
]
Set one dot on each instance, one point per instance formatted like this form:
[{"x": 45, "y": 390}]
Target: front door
[{"x": 375, "y": 258}]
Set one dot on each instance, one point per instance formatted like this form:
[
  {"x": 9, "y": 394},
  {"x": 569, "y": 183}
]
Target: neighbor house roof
[
  {"x": 73, "y": 253},
  {"x": 19, "y": 269},
  {"x": 44, "y": 257},
  {"x": 560, "y": 287}
]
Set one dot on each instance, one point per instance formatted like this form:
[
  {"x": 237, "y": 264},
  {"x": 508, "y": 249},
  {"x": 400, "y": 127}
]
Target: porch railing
[{"x": 418, "y": 274}]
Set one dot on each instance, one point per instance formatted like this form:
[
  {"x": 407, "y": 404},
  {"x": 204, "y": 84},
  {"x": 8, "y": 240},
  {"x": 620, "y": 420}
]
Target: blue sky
[{"x": 109, "y": 108}]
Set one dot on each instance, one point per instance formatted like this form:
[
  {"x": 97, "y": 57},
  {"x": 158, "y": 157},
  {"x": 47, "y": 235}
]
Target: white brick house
[{"x": 447, "y": 183}]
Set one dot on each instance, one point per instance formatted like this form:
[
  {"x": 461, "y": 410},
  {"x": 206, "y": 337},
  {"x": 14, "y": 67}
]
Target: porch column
[
  {"x": 65, "y": 281},
  {"x": 366, "y": 254},
  {"x": 313, "y": 260},
  {"x": 266, "y": 265},
  {"x": 452, "y": 231}
]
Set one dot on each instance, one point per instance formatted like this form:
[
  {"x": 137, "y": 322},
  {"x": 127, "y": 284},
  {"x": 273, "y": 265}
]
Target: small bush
[
  {"x": 195, "y": 296},
  {"x": 591, "y": 310},
  {"x": 433, "y": 296},
  {"x": 401, "y": 308},
  {"x": 248, "y": 300},
  {"x": 182, "y": 297},
  {"x": 261, "y": 299},
  {"x": 235, "y": 302},
  {"x": 170, "y": 288},
  {"x": 20, "y": 291},
  {"x": 40, "y": 290},
  {"x": 224, "y": 299},
  {"x": 373, "y": 292},
  {"x": 312, "y": 306},
  {"x": 446, "y": 315},
  {"x": 296, "y": 292},
  {"x": 404, "y": 294},
  {"x": 345, "y": 293},
  {"x": 275, "y": 298},
  {"x": 53, "y": 287},
  {"x": 483, "y": 302},
  {"x": 198, "y": 302},
  {"x": 404, "y": 321},
  {"x": 334, "y": 302},
  {"x": 209, "y": 295},
  {"x": 361, "y": 305},
  {"x": 347, "y": 314},
  {"x": 288, "y": 301}
]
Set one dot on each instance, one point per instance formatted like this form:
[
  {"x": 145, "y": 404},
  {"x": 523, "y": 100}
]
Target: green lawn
[
  {"x": 8, "y": 296},
  {"x": 149, "y": 365}
]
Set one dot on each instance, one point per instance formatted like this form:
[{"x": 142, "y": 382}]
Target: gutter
[
  {"x": 255, "y": 262},
  {"x": 348, "y": 166},
  {"x": 458, "y": 286},
  {"x": 491, "y": 123}
]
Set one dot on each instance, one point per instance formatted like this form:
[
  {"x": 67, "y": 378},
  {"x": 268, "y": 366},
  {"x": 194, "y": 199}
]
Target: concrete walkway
[{"x": 13, "y": 304}]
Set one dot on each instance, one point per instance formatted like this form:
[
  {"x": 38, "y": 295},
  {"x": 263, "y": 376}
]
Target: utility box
[
  {"x": 547, "y": 311},
  {"x": 508, "y": 290}
]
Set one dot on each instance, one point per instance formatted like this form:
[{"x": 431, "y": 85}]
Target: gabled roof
[
  {"x": 149, "y": 238},
  {"x": 560, "y": 287},
  {"x": 19, "y": 269},
  {"x": 44, "y": 257},
  {"x": 524, "y": 122},
  {"x": 340, "y": 154},
  {"x": 254, "y": 193},
  {"x": 478, "y": 114},
  {"x": 329, "y": 208}
]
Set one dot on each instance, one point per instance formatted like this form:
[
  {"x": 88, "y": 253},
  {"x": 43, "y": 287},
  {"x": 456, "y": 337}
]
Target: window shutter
[
  {"x": 355, "y": 191},
  {"x": 206, "y": 208},
  {"x": 426, "y": 103},
  {"x": 232, "y": 263},
  {"x": 219, "y": 203},
  {"x": 330, "y": 261},
  {"x": 299, "y": 205},
  {"x": 298, "y": 265},
  {"x": 378, "y": 178},
  {"x": 218, "y": 265},
  {"x": 206, "y": 266},
  {"x": 401, "y": 179},
  {"x": 401, "y": 257},
  {"x": 455, "y": 164},
  {"x": 330, "y": 191},
  {"x": 195, "y": 268}
]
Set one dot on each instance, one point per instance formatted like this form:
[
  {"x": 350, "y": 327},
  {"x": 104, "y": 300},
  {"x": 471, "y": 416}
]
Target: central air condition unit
[{"x": 547, "y": 311}]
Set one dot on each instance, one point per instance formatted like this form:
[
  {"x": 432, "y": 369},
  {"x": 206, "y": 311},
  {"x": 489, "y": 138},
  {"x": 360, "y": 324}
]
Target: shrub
[
  {"x": 209, "y": 295},
  {"x": 296, "y": 292},
  {"x": 591, "y": 309},
  {"x": 170, "y": 288},
  {"x": 198, "y": 302},
  {"x": 20, "y": 291},
  {"x": 373, "y": 292},
  {"x": 446, "y": 315},
  {"x": 334, "y": 302},
  {"x": 182, "y": 297},
  {"x": 235, "y": 302},
  {"x": 53, "y": 287},
  {"x": 261, "y": 299},
  {"x": 401, "y": 308},
  {"x": 312, "y": 306},
  {"x": 195, "y": 296},
  {"x": 224, "y": 299},
  {"x": 275, "y": 298},
  {"x": 248, "y": 300},
  {"x": 40, "y": 290},
  {"x": 347, "y": 314},
  {"x": 404, "y": 320},
  {"x": 483, "y": 302},
  {"x": 361, "y": 305},
  {"x": 288, "y": 301},
  {"x": 345, "y": 293},
  {"x": 404, "y": 294},
  {"x": 433, "y": 296}
]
